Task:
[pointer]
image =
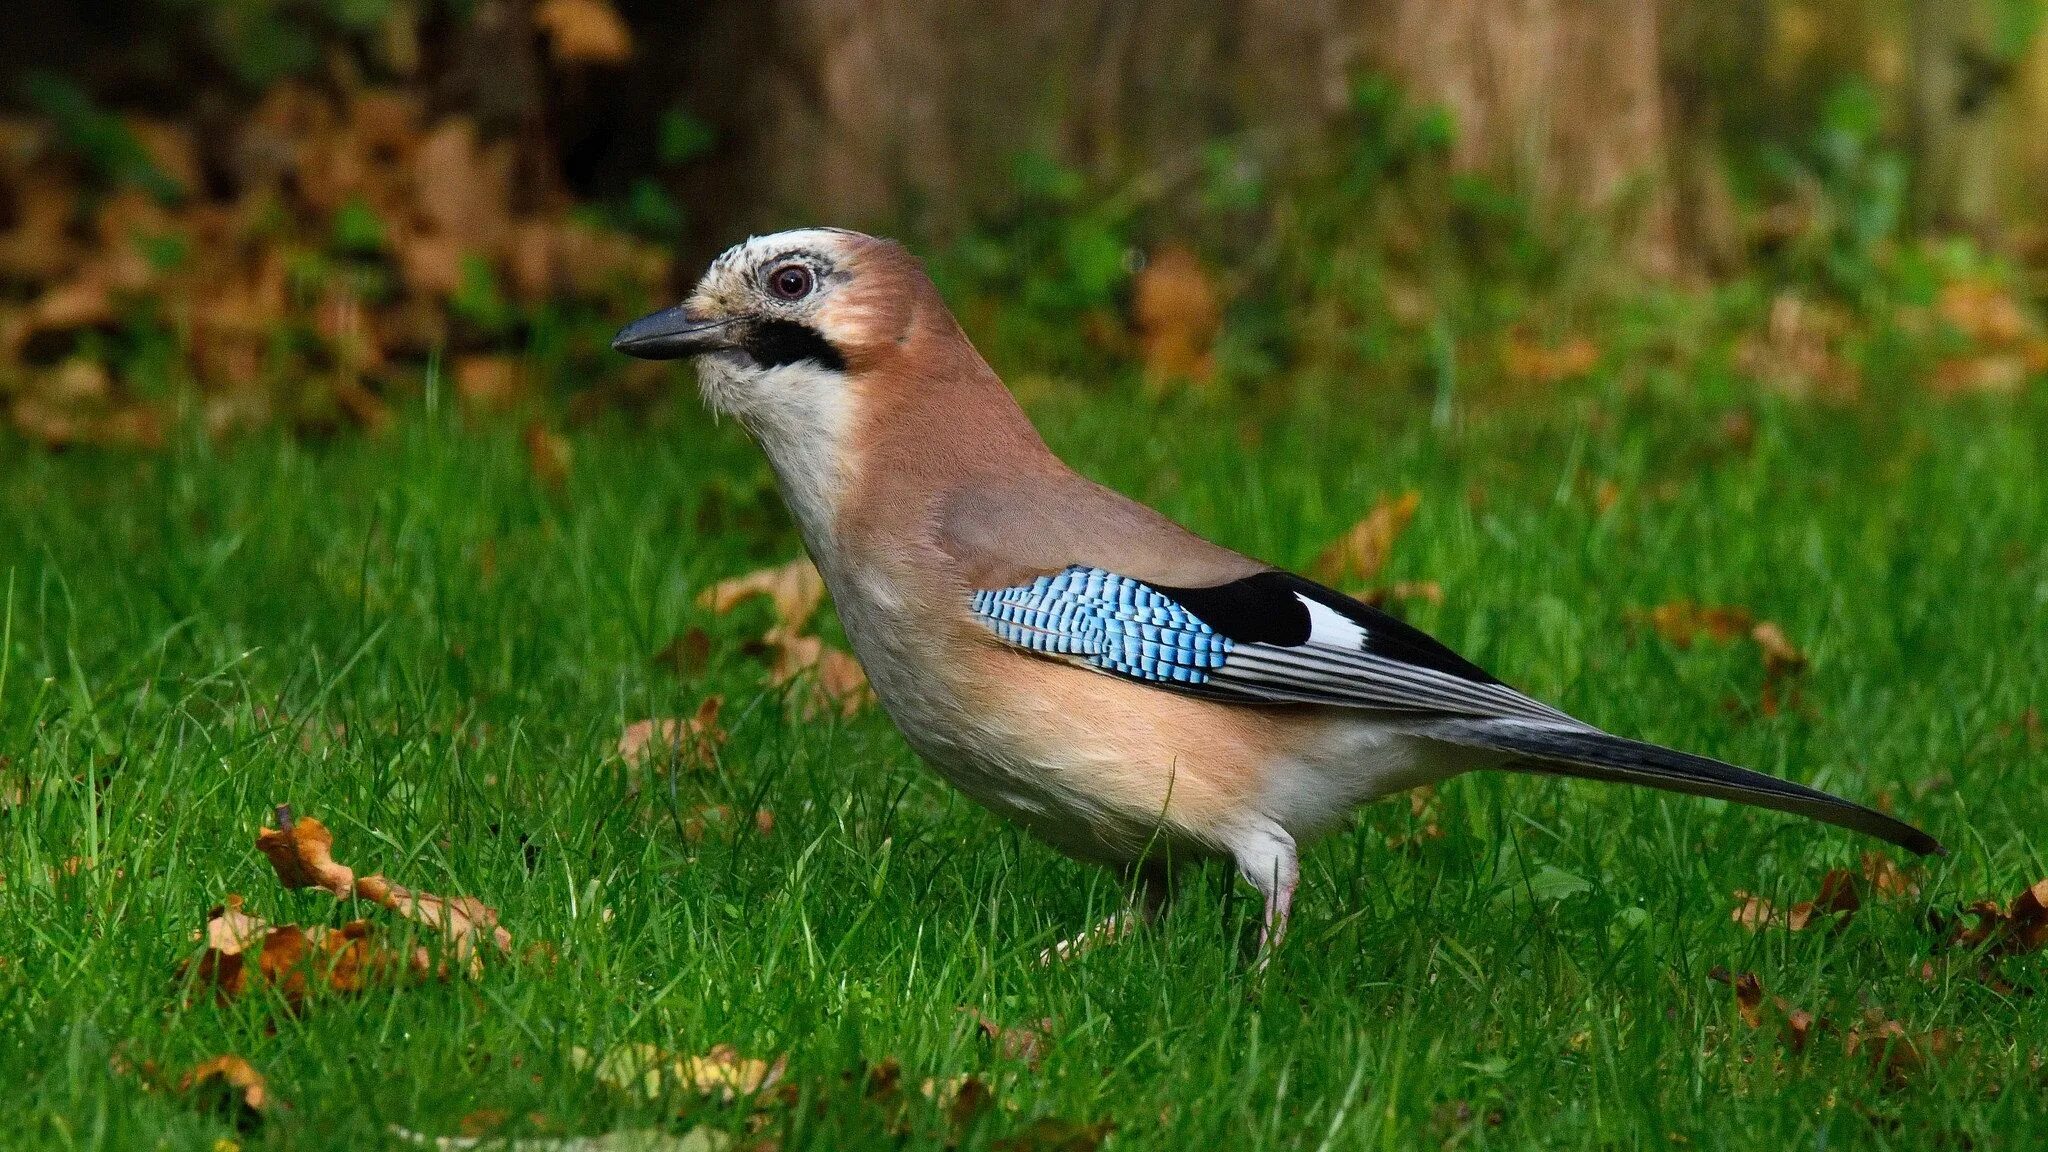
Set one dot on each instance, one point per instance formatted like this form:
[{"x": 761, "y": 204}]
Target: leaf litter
[
  {"x": 1894, "y": 1052},
  {"x": 243, "y": 953},
  {"x": 826, "y": 680}
]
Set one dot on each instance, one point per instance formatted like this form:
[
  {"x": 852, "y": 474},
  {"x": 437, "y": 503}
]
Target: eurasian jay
[{"x": 1122, "y": 688}]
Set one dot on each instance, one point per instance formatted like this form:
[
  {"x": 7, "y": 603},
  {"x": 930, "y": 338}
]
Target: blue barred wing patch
[{"x": 1111, "y": 621}]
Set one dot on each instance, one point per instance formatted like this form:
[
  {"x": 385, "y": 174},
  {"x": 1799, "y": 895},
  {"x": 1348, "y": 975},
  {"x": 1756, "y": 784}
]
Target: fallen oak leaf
[
  {"x": 2017, "y": 929},
  {"x": 795, "y": 588},
  {"x": 1753, "y": 912},
  {"x": 1749, "y": 993},
  {"x": 1524, "y": 360},
  {"x": 687, "y": 654},
  {"x": 1426, "y": 590},
  {"x": 461, "y": 919},
  {"x": 962, "y": 1098},
  {"x": 1363, "y": 550},
  {"x": 1799, "y": 1025},
  {"x": 549, "y": 454},
  {"x": 1796, "y": 1025},
  {"x": 1176, "y": 312},
  {"x": 724, "y": 1073},
  {"x": 229, "y": 930},
  {"x": 696, "y": 739},
  {"x": 1886, "y": 878},
  {"x": 1840, "y": 896},
  {"x": 1895, "y": 1052},
  {"x": 584, "y": 32},
  {"x": 1025, "y": 1042},
  {"x": 1680, "y": 622},
  {"x": 1781, "y": 657},
  {"x": 229, "y": 1083},
  {"x": 837, "y": 681},
  {"x": 301, "y": 852},
  {"x": 645, "y": 1069}
]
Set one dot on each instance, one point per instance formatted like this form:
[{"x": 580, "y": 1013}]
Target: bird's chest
[{"x": 930, "y": 666}]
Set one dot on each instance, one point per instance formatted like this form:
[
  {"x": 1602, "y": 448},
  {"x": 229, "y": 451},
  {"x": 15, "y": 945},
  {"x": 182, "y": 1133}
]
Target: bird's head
[{"x": 779, "y": 319}]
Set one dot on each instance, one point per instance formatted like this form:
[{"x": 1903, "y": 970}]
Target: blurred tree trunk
[
  {"x": 1958, "y": 80},
  {"x": 1562, "y": 98},
  {"x": 850, "y": 110}
]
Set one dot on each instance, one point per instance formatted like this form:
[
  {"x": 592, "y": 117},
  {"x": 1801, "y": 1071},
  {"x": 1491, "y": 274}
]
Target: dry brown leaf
[
  {"x": 646, "y": 1069},
  {"x": 1796, "y": 1025},
  {"x": 835, "y": 680},
  {"x": 1026, "y": 1042},
  {"x": 229, "y": 930},
  {"x": 1781, "y": 657},
  {"x": 1989, "y": 374},
  {"x": 1840, "y": 896},
  {"x": 462, "y": 919},
  {"x": 296, "y": 961},
  {"x": 1895, "y": 1052},
  {"x": 1799, "y": 351},
  {"x": 549, "y": 454},
  {"x": 1749, "y": 998},
  {"x": 1362, "y": 551},
  {"x": 1177, "y": 312},
  {"x": 38, "y": 247},
  {"x": 302, "y": 854},
  {"x": 1681, "y": 622},
  {"x": 1400, "y": 590},
  {"x": 1423, "y": 805},
  {"x": 962, "y": 1098},
  {"x": 1886, "y": 878},
  {"x": 229, "y": 1080},
  {"x": 696, "y": 739},
  {"x": 688, "y": 654},
  {"x": 1983, "y": 311},
  {"x": 489, "y": 383},
  {"x": 1799, "y": 1025},
  {"x": 1524, "y": 360},
  {"x": 584, "y": 32},
  {"x": 429, "y": 265},
  {"x": 1753, "y": 912},
  {"x": 795, "y": 588},
  {"x": 724, "y": 1073},
  {"x": 2017, "y": 929}
]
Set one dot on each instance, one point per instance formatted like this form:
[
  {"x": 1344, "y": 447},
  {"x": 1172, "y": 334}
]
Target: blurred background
[{"x": 218, "y": 216}]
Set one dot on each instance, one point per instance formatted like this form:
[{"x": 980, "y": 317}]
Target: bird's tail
[{"x": 1594, "y": 755}]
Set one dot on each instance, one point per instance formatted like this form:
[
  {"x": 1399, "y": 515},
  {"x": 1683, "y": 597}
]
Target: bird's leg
[
  {"x": 1152, "y": 889},
  {"x": 1266, "y": 857}
]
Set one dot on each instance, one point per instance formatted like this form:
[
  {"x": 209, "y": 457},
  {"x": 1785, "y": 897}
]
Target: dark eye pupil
[{"x": 792, "y": 282}]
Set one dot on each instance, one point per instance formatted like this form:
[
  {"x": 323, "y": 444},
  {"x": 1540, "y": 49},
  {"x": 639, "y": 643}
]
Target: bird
[{"x": 1125, "y": 690}]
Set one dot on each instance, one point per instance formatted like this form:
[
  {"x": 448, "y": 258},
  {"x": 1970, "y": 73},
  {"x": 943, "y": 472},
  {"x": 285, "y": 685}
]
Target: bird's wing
[
  {"x": 1276, "y": 637},
  {"x": 1268, "y": 637}
]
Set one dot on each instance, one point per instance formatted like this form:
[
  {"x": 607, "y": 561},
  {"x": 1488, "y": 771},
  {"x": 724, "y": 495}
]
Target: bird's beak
[{"x": 672, "y": 334}]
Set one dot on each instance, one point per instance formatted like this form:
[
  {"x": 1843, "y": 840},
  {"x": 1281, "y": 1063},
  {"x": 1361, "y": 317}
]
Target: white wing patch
[{"x": 1327, "y": 626}]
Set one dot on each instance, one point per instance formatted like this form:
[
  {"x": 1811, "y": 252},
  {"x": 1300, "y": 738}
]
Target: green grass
[{"x": 417, "y": 642}]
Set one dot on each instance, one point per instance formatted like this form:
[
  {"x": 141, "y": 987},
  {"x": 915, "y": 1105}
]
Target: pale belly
[{"x": 1107, "y": 769}]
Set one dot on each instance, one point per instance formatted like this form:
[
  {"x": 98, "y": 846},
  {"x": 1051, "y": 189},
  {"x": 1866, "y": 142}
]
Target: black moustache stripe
[{"x": 774, "y": 343}]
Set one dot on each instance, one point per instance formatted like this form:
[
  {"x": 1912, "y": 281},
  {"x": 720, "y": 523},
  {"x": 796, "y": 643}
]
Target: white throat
[{"x": 800, "y": 414}]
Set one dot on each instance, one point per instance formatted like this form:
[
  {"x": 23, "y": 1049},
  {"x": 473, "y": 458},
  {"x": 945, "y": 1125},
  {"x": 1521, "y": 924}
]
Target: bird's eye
[{"x": 790, "y": 282}]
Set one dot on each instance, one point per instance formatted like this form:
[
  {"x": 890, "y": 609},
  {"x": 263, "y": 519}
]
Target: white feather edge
[{"x": 1327, "y": 626}]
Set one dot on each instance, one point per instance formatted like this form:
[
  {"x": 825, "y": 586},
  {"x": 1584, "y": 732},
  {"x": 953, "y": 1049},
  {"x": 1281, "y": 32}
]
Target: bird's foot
[{"x": 1112, "y": 929}]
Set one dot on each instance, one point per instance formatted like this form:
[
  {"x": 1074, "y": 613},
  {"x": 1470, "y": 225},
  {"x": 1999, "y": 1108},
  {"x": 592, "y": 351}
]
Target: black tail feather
[{"x": 1594, "y": 755}]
